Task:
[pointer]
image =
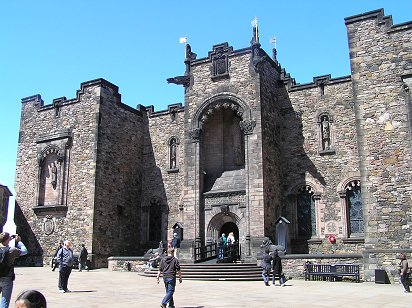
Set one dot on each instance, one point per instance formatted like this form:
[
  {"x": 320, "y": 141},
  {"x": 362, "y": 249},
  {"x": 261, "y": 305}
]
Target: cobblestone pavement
[{"x": 102, "y": 288}]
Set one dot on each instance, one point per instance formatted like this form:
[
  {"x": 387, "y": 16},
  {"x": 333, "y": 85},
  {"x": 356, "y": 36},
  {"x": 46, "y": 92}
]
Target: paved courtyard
[{"x": 101, "y": 288}]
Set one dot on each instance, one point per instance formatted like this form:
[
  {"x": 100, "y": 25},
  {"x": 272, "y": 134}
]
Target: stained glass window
[{"x": 355, "y": 210}]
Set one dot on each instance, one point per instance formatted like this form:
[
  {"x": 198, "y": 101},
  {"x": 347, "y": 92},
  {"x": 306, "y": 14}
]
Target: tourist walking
[
  {"x": 277, "y": 269},
  {"x": 7, "y": 257},
  {"x": 176, "y": 244},
  {"x": 65, "y": 258},
  {"x": 83, "y": 258},
  {"x": 266, "y": 266},
  {"x": 403, "y": 271},
  {"x": 169, "y": 267}
]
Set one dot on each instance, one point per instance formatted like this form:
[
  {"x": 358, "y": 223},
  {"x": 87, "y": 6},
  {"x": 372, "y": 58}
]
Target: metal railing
[{"x": 205, "y": 253}]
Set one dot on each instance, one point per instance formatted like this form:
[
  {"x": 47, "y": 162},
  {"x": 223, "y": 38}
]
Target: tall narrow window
[
  {"x": 354, "y": 208},
  {"x": 306, "y": 214}
]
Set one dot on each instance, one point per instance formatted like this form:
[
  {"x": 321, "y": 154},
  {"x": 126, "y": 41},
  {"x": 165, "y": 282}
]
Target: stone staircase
[{"x": 216, "y": 271}]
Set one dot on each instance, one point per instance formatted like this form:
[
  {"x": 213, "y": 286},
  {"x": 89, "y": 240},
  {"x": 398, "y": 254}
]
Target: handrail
[{"x": 205, "y": 253}]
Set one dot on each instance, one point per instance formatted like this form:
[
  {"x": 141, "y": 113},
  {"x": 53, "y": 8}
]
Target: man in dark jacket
[
  {"x": 9, "y": 255},
  {"x": 83, "y": 258},
  {"x": 277, "y": 269},
  {"x": 169, "y": 266},
  {"x": 65, "y": 258}
]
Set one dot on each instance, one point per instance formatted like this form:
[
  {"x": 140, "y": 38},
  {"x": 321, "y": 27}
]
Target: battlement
[{"x": 381, "y": 19}]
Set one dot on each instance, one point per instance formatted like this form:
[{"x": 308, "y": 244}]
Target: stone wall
[
  {"x": 270, "y": 93},
  {"x": 74, "y": 123},
  {"x": 161, "y": 181},
  {"x": 305, "y": 162},
  {"x": 119, "y": 177},
  {"x": 380, "y": 56}
]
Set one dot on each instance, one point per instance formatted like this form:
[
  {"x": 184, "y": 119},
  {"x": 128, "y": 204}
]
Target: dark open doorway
[{"x": 230, "y": 227}]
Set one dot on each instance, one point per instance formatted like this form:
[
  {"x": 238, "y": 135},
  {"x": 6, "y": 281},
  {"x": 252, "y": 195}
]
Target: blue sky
[{"x": 50, "y": 47}]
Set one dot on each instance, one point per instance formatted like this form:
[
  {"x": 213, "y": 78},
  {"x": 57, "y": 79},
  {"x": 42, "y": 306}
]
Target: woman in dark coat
[
  {"x": 277, "y": 269},
  {"x": 266, "y": 265}
]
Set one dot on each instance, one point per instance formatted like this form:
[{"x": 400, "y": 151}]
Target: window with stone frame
[
  {"x": 354, "y": 209},
  {"x": 306, "y": 213},
  {"x": 155, "y": 221}
]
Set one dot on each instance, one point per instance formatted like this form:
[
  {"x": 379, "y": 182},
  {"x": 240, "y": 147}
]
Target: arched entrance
[{"x": 230, "y": 227}]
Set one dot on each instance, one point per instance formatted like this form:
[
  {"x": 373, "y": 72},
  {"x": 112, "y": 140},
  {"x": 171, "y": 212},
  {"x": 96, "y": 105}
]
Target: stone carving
[
  {"x": 53, "y": 172},
  {"x": 48, "y": 225},
  {"x": 220, "y": 60},
  {"x": 194, "y": 135},
  {"x": 173, "y": 153},
  {"x": 325, "y": 132},
  {"x": 228, "y": 197},
  {"x": 247, "y": 126}
]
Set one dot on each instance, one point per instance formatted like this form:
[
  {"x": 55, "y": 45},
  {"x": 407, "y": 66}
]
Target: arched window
[
  {"x": 354, "y": 208},
  {"x": 306, "y": 214}
]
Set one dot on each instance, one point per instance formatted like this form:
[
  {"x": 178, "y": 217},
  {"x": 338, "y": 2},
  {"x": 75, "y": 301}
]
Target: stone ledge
[
  {"x": 56, "y": 210},
  {"x": 353, "y": 240}
]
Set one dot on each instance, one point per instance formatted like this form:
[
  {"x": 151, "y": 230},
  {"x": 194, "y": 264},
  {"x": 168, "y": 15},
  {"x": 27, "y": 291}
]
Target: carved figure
[
  {"x": 326, "y": 133},
  {"x": 173, "y": 155},
  {"x": 54, "y": 175}
]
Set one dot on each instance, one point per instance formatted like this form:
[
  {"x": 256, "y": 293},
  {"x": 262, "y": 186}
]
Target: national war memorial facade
[{"x": 248, "y": 146}]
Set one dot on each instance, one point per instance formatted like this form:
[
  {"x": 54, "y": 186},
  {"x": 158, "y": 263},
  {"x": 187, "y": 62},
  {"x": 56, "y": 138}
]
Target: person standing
[
  {"x": 176, "y": 245},
  {"x": 170, "y": 267},
  {"x": 65, "y": 259},
  {"x": 83, "y": 259},
  {"x": 403, "y": 270},
  {"x": 8, "y": 255},
  {"x": 277, "y": 269},
  {"x": 266, "y": 266},
  {"x": 222, "y": 242}
]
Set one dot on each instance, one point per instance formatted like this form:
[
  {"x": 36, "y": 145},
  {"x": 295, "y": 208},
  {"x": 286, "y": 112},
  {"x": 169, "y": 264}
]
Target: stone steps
[{"x": 228, "y": 272}]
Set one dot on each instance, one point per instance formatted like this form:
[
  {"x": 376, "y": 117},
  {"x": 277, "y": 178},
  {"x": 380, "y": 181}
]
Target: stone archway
[{"x": 223, "y": 222}]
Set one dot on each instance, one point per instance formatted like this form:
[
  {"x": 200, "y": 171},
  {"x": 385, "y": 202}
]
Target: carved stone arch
[
  {"x": 221, "y": 100},
  {"x": 321, "y": 113},
  {"x": 217, "y": 221},
  {"x": 345, "y": 182},
  {"x": 50, "y": 150},
  {"x": 169, "y": 140},
  {"x": 316, "y": 188}
]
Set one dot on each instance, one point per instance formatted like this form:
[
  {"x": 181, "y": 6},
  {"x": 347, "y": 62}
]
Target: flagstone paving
[{"x": 102, "y": 288}]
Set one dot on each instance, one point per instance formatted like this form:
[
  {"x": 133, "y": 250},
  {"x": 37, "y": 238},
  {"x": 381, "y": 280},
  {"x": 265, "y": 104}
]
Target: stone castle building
[{"x": 248, "y": 146}]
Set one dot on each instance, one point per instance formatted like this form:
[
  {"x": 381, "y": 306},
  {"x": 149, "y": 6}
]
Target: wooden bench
[{"x": 329, "y": 272}]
